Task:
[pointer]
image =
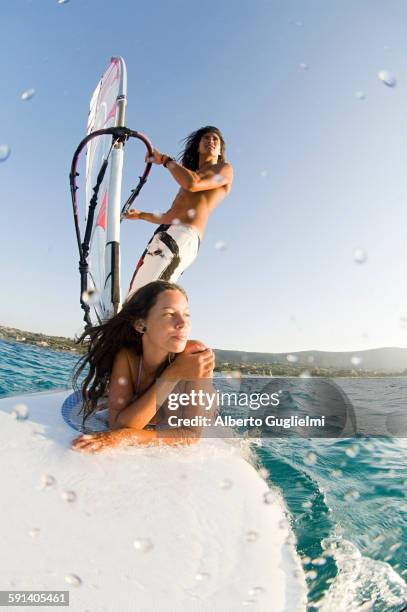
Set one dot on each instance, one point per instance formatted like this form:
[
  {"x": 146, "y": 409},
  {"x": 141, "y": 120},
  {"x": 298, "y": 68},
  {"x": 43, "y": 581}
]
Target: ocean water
[{"x": 346, "y": 498}]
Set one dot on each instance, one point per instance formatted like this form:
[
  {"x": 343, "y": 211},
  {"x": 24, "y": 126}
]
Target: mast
[{"x": 111, "y": 289}]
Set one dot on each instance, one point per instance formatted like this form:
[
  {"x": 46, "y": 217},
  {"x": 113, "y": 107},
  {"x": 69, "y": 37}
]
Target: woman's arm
[
  {"x": 122, "y": 411},
  {"x": 125, "y": 413},
  {"x": 104, "y": 440}
]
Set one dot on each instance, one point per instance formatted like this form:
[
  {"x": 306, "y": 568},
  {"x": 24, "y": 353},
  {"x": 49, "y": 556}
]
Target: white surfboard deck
[{"x": 200, "y": 554}]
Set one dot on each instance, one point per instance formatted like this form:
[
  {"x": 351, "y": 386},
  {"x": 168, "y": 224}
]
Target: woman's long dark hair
[
  {"x": 107, "y": 339},
  {"x": 190, "y": 155}
]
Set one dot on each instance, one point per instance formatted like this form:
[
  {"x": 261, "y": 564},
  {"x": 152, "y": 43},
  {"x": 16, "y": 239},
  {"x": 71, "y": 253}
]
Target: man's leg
[{"x": 170, "y": 251}]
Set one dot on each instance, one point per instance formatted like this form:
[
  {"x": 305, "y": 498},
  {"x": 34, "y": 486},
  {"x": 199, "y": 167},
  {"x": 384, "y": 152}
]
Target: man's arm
[
  {"x": 212, "y": 179},
  {"x": 144, "y": 216},
  {"x": 183, "y": 176},
  {"x": 151, "y": 217}
]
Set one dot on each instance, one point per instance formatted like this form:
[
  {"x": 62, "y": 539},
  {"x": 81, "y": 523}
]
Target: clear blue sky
[{"x": 318, "y": 172}]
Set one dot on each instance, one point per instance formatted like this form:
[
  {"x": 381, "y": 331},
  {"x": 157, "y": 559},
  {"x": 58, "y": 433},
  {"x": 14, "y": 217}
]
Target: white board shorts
[{"x": 170, "y": 251}]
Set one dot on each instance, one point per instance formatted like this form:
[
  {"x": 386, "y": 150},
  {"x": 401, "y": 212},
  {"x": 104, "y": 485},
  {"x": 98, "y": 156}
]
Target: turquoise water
[
  {"x": 25, "y": 367},
  {"x": 346, "y": 498}
]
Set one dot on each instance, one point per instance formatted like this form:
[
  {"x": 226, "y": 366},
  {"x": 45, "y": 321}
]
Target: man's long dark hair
[
  {"x": 190, "y": 156},
  {"x": 107, "y": 339}
]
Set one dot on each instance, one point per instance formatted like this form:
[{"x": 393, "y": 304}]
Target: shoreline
[{"x": 60, "y": 344}]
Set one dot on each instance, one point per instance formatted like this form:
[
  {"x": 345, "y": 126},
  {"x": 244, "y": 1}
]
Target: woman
[{"x": 146, "y": 340}]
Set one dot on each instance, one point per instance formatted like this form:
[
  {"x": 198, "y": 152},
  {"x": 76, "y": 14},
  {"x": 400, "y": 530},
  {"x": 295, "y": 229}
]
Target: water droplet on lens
[
  {"x": 73, "y": 580},
  {"x": 200, "y": 576},
  {"x": 369, "y": 444},
  {"x": 292, "y": 358},
  {"x": 387, "y": 78},
  {"x": 157, "y": 212},
  {"x": 310, "y": 458},
  {"x": 355, "y": 360},
  {"x": 252, "y": 536},
  {"x": 20, "y": 412},
  {"x": 220, "y": 245},
  {"x": 264, "y": 473},
  {"x": 175, "y": 221},
  {"x": 28, "y": 94},
  {"x": 34, "y": 532},
  {"x": 92, "y": 297},
  {"x": 351, "y": 495},
  {"x": 191, "y": 212},
  {"x": 69, "y": 496},
  {"x": 226, "y": 483},
  {"x": 4, "y": 152},
  {"x": 257, "y": 590},
  {"x": 359, "y": 256},
  {"x": 319, "y": 561},
  {"x": 306, "y": 560},
  {"x": 143, "y": 544},
  {"x": 336, "y": 473},
  {"x": 63, "y": 1},
  {"x": 217, "y": 178},
  {"x": 47, "y": 480},
  {"x": 352, "y": 451},
  {"x": 312, "y": 574},
  {"x": 304, "y": 66},
  {"x": 305, "y": 374},
  {"x": 264, "y": 173},
  {"x": 122, "y": 380},
  {"x": 268, "y": 497},
  {"x": 360, "y": 95}
]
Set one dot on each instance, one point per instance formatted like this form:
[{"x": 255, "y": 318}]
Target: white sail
[{"x": 106, "y": 110}]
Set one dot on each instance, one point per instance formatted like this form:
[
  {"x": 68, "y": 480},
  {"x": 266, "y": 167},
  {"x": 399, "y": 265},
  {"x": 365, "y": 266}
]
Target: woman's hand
[
  {"x": 194, "y": 346},
  {"x": 99, "y": 442},
  {"x": 132, "y": 214},
  {"x": 156, "y": 157},
  {"x": 196, "y": 361}
]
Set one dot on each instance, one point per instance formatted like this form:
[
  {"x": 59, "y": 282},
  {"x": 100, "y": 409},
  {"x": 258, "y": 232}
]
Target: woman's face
[{"x": 168, "y": 324}]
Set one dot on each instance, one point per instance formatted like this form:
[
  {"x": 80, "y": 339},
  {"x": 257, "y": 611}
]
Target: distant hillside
[
  {"x": 384, "y": 360},
  {"x": 55, "y": 343},
  {"x": 380, "y": 359}
]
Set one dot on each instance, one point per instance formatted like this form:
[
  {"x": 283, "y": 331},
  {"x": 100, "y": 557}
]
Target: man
[{"x": 205, "y": 179}]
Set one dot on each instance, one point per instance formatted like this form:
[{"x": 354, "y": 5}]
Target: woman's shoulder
[{"x": 132, "y": 358}]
